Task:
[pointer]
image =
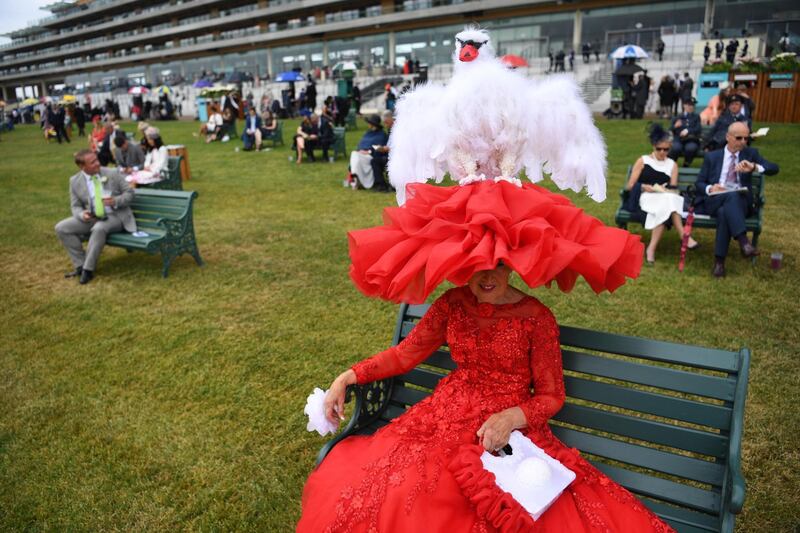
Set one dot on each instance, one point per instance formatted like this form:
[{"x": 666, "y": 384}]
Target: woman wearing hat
[
  {"x": 653, "y": 198},
  {"x": 423, "y": 471},
  {"x": 155, "y": 160}
]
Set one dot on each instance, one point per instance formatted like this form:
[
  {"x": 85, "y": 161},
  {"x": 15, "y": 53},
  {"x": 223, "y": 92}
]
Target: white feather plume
[{"x": 490, "y": 122}]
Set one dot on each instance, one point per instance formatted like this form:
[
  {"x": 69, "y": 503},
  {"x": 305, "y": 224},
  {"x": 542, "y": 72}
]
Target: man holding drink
[{"x": 100, "y": 199}]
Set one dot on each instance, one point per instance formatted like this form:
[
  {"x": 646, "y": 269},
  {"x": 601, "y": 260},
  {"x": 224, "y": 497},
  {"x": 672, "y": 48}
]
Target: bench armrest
[
  {"x": 735, "y": 480},
  {"x": 351, "y": 392}
]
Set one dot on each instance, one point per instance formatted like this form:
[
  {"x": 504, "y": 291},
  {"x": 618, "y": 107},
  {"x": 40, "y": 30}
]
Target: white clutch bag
[{"x": 531, "y": 476}]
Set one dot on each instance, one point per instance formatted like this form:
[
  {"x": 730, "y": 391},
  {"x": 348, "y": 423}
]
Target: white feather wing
[
  {"x": 416, "y": 144},
  {"x": 563, "y": 136}
]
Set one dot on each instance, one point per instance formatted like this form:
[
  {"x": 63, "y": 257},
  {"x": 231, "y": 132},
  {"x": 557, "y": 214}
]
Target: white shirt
[{"x": 156, "y": 160}]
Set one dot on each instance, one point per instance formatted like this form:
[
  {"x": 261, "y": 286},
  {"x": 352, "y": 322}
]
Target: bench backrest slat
[
  {"x": 643, "y": 456},
  {"x": 716, "y": 387},
  {"x": 651, "y": 403},
  {"x": 642, "y": 429},
  {"x": 664, "y": 489}
]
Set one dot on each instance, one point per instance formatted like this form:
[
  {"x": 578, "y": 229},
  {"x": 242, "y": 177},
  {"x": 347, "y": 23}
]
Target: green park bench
[
  {"x": 350, "y": 120},
  {"x": 686, "y": 180},
  {"x": 166, "y": 216},
  {"x": 664, "y": 420},
  {"x": 339, "y": 147},
  {"x": 171, "y": 176}
]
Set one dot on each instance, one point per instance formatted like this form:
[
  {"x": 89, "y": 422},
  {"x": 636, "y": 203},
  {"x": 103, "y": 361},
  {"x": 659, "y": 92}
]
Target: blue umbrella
[
  {"x": 290, "y": 76},
  {"x": 200, "y": 84}
]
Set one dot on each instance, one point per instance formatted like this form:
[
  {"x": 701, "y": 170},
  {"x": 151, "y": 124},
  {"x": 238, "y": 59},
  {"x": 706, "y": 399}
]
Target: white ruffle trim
[{"x": 316, "y": 413}]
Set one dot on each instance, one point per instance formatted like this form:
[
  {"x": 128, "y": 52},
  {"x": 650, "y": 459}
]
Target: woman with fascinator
[
  {"x": 653, "y": 198},
  {"x": 423, "y": 471}
]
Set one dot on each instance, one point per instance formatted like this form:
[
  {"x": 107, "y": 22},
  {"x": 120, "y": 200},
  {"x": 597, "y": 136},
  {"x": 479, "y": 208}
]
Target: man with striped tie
[{"x": 725, "y": 191}]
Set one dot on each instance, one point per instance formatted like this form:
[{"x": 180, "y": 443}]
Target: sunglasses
[
  {"x": 739, "y": 137},
  {"x": 662, "y": 149}
]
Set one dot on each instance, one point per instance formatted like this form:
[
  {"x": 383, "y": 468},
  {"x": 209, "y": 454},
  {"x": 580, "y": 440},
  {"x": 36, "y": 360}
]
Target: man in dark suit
[
  {"x": 100, "y": 201},
  {"x": 686, "y": 130},
  {"x": 724, "y": 172},
  {"x": 717, "y": 136}
]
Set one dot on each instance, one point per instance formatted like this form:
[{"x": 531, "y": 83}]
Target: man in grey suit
[{"x": 100, "y": 199}]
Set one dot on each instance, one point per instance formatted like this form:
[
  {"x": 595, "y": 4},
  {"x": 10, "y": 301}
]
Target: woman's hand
[
  {"x": 647, "y": 188},
  {"x": 334, "y": 399},
  {"x": 494, "y": 433}
]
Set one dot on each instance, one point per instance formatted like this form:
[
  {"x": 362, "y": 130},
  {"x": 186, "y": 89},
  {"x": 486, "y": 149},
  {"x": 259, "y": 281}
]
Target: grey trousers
[{"x": 71, "y": 229}]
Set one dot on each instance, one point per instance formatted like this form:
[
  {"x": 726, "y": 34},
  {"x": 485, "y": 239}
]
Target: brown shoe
[
  {"x": 719, "y": 270},
  {"x": 748, "y": 250}
]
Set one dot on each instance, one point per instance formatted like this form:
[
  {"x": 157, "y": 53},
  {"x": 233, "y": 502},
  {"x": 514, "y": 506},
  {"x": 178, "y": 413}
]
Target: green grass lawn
[{"x": 139, "y": 403}]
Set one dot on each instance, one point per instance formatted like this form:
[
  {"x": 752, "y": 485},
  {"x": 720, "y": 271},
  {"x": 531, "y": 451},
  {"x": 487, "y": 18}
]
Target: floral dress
[{"x": 422, "y": 472}]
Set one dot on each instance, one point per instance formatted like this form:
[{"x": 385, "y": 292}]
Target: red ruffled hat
[{"x": 449, "y": 233}]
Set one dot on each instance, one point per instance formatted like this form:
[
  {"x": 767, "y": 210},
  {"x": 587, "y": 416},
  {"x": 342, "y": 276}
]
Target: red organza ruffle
[
  {"x": 491, "y": 503},
  {"x": 452, "y": 232}
]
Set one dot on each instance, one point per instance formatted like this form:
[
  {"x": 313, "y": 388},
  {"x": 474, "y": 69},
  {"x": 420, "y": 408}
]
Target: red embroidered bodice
[{"x": 501, "y": 351}]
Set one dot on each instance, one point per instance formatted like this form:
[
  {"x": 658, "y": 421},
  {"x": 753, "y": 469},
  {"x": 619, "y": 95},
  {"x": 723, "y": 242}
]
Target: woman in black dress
[{"x": 653, "y": 200}]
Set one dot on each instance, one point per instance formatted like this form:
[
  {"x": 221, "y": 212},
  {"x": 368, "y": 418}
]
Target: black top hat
[
  {"x": 690, "y": 100},
  {"x": 374, "y": 120}
]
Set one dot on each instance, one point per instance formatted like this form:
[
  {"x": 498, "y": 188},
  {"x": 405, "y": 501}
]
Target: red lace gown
[{"x": 423, "y": 472}]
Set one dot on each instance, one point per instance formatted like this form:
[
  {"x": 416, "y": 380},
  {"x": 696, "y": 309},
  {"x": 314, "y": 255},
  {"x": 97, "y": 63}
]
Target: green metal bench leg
[
  {"x": 199, "y": 260},
  {"x": 756, "y": 234},
  {"x": 166, "y": 262}
]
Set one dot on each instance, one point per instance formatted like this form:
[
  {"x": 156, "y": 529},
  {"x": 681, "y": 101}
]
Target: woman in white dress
[
  {"x": 653, "y": 199},
  {"x": 155, "y": 161}
]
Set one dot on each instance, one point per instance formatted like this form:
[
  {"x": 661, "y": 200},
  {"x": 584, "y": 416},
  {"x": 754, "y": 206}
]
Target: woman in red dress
[{"x": 423, "y": 472}]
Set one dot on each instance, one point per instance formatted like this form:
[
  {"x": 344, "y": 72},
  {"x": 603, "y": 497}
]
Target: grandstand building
[{"x": 90, "y": 44}]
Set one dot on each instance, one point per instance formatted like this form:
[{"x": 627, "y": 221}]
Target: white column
[
  {"x": 577, "y": 30},
  {"x": 325, "y": 52},
  {"x": 392, "y": 46},
  {"x": 269, "y": 64},
  {"x": 708, "y": 19}
]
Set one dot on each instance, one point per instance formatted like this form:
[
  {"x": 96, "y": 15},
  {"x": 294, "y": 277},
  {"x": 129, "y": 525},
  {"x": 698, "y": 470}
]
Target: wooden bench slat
[
  {"x": 422, "y": 377},
  {"x": 717, "y": 387},
  {"x": 667, "y": 352},
  {"x": 681, "y": 519},
  {"x": 441, "y": 359},
  {"x": 716, "y": 416},
  {"x": 407, "y": 396},
  {"x": 663, "y": 489},
  {"x": 679, "y": 437},
  {"x": 709, "y": 472}
]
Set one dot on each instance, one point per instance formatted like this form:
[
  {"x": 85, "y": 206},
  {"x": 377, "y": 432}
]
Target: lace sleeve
[
  {"x": 426, "y": 337},
  {"x": 548, "y": 374}
]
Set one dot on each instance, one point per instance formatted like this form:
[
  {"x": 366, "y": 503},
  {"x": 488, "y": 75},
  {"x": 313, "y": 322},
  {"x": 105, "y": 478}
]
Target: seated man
[
  {"x": 100, "y": 201},
  {"x": 686, "y": 130},
  {"x": 725, "y": 191},
  {"x": 368, "y": 161},
  {"x": 251, "y": 136},
  {"x": 717, "y": 136},
  {"x": 129, "y": 156}
]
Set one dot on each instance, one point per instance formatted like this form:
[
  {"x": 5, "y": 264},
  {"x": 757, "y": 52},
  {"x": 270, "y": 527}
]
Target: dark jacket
[
  {"x": 712, "y": 168},
  {"x": 716, "y": 137},
  {"x": 691, "y": 122}
]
